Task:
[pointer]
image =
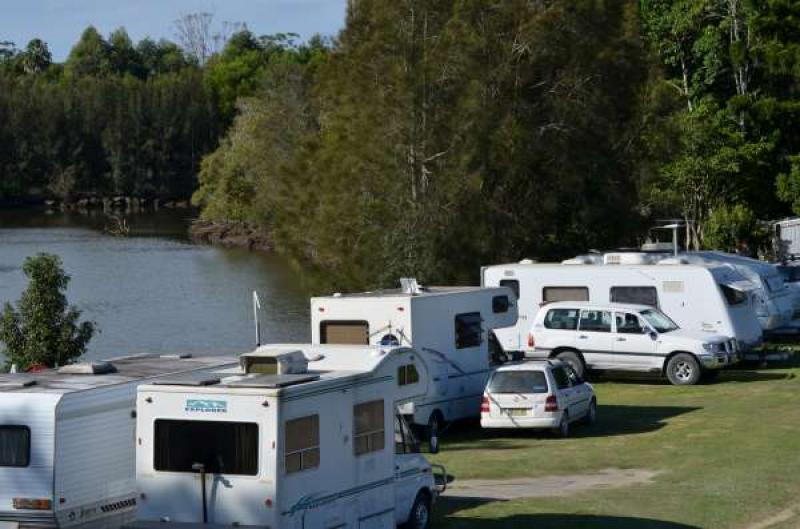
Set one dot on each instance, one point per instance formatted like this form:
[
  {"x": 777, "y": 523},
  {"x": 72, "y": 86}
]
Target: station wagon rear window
[
  {"x": 15, "y": 446},
  {"x": 222, "y": 447},
  {"x": 635, "y": 295},
  {"x": 552, "y": 294},
  {"x": 518, "y": 382},
  {"x": 344, "y": 332},
  {"x": 563, "y": 319}
]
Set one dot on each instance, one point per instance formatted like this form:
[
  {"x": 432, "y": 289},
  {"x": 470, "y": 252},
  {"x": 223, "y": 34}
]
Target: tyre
[
  {"x": 434, "y": 430},
  {"x": 563, "y": 427},
  {"x": 683, "y": 370},
  {"x": 591, "y": 415},
  {"x": 574, "y": 361},
  {"x": 420, "y": 515}
]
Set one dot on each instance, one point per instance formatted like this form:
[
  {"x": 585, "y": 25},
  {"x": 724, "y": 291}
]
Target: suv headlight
[{"x": 712, "y": 347}]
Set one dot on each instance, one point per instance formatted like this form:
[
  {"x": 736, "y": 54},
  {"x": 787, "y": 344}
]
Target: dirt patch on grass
[
  {"x": 548, "y": 486},
  {"x": 777, "y": 520}
]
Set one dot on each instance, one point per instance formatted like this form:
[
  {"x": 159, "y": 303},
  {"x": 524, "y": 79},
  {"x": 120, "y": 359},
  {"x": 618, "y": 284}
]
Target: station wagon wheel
[
  {"x": 683, "y": 370},
  {"x": 420, "y": 516}
]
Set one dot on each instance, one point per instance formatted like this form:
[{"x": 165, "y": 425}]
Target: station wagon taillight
[
  {"x": 551, "y": 404},
  {"x": 485, "y": 404},
  {"x": 531, "y": 341}
]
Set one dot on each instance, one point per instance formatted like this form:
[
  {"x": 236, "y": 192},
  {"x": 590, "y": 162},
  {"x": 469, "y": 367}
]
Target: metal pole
[
  {"x": 201, "y": 468},
  {"x": 256, "y": 307}
]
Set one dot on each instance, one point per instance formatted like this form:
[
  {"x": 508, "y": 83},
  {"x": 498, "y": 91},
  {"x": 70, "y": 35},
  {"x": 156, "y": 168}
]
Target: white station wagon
[
  {"x": 534, "y": 394},
  {"x": 622, "y": 337}
]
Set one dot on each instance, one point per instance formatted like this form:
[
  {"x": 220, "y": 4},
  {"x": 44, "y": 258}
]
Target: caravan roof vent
[
  {"x": 88, "y": 368},
  {"x": 409, "y": 285},
  {"x": 627, "y": 258},
  {"x": 271, "y": 362}
]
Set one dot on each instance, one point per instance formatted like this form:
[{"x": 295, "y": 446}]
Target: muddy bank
[{"x": 229, "y": 235}]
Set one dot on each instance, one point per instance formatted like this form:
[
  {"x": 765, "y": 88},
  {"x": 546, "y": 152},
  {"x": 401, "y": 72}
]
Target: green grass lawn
[{"x": 727, "y": 453}]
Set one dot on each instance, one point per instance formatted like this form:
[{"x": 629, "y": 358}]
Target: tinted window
[
  {"x": 628, "y": 324},
  {"x": 518, "y": 382},
  {"x": 595, "y": 321},
  {"x": 223, "y": 447},
  {"x": 564, "y": 319},
  {"x": 550, "y": 294},
  {"x": 368, "y": 432},
  {"x": 469, "y": 332},
  {"x": 561, "y": 377},
  {"x": 301, "y": 450},
  {"x": 344, "y": 332},
  {"x": 407, "y": 375},
  {"x": 513, "y": 284},
  {"x": 500, "y": 304},
  {"x": 733, "y": 296},
  {"x": 15, "y": 446},
  {"x": 637, "y": 295}
]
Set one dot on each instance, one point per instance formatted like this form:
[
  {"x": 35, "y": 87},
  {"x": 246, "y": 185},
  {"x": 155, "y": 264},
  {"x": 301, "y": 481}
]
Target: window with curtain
[
  {"x": 15, "y": 446},
  {"x": 552, "y": 294},
  {"x": 344, "y": 332},
  {"x": 301, "y": 444},
  {"x": 368, "y": 428},
  {"x": 637, "y": 295},
  {"x": 223, "y": 447},
  {"x": 407, "y": 374}
]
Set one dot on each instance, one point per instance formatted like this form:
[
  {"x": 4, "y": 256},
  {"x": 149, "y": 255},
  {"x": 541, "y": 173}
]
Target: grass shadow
[{"x": 556, "y": 521}]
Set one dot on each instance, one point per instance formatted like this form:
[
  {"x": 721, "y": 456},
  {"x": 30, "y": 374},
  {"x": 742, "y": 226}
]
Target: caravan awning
[{"x": 742, "y": 285}]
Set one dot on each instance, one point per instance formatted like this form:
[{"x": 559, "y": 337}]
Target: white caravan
[
  {"x": 713, "y": 299},
  {"x": 452, "y": 325},
  {"x": 67, "y": 455},
  {"x": 303, "y": 437}
]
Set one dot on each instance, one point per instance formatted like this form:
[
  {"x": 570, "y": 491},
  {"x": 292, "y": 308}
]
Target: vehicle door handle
[
  {"x": 583, "y": 337},
  {"x": 622, "y": 339}
]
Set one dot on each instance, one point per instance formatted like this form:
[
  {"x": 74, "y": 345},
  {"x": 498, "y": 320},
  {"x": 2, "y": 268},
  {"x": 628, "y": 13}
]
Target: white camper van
[
  {"x": 452, "y": 325},
  {"x": 304, "y": 437},
  {"x": 67, "y": 441},
  {"x": 712, "y": 299}
]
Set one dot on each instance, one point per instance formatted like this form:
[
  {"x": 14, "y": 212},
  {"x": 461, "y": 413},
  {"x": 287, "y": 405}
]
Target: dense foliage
[
  {"x": 434, "y": 136},
  {"x": 43, "y": 329}
]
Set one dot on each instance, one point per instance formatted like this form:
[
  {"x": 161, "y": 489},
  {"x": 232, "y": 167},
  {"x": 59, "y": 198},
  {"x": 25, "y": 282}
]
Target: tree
[
  {"x": 194, "y": 35},
  {"x": 90, "y": 56},
  {"x": 123, "y": 56},
  {"x": 43, "y": 328},
  {"x": 36, "y": 58},
  {"x": 735, "y": 229}
]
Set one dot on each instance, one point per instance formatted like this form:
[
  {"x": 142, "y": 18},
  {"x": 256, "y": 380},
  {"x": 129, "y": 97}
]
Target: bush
[
  {"x": 43, "y": 329},
  {"x": 735, "y": 229}
]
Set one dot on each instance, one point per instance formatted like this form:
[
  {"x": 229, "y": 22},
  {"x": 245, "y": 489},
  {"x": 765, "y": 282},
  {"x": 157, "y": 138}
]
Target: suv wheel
[
  {"x": 420, "y": 515},
  {"x": 574, "y": 361},
  {"x": 683, "y": 370}
]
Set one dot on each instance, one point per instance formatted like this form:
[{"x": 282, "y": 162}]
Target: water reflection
[{"x": 153, "y": 291}]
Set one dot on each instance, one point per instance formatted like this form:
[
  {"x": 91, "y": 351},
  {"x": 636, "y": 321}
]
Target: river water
[{"x": 153, "y": 291}]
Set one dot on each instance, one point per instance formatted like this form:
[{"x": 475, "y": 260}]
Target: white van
[
  {"x": 67, "y": 440},
  {"x": 304, "y": 436},
  {"x": 624, "y": 337},
  {"x": 711, "y": 299},
  {"x": 452, "y": 325}
]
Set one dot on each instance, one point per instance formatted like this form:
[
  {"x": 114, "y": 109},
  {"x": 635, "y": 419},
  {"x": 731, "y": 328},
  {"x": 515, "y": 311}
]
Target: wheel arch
[
  {"x": 567, "y": 349},
  {"x": 673, "y": 354}
]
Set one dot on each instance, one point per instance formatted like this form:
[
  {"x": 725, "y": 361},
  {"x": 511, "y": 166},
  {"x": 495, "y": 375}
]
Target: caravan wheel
[
  {"x": 435, "y": 424},
  {"x": 420, "y": 515}
]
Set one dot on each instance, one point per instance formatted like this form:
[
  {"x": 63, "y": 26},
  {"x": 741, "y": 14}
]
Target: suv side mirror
[{"x": 653, "y": 335}]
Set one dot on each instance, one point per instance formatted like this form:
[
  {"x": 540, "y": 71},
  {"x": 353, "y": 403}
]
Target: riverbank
[{"x": 229, "y": 235}]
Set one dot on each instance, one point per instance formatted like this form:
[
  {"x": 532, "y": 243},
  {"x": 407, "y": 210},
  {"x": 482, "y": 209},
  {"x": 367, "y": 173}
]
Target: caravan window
[
  {"x": 563, "y": 319},
  {"x": 595, "y": 321},
  {"x": 500, "y": 304},
  {"x": 15, "y": 446},
  {"x": 513, "y": 284},
  {"x": 636, "y": 295},
  {"x": 551, "y": 294},
  {"x": 407, "y": 375},
  {"x": 301, "y": 444},
  {"x": 733, "y": 296},
  {"x": 223, "y": 447},
  {"x": 469, "y": 330},
  {"x": 344, "y": 332},
  {"x": 368, "y": 432}
]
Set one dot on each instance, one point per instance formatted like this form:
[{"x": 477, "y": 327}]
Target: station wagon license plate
[{"x": 517, "y": 412}]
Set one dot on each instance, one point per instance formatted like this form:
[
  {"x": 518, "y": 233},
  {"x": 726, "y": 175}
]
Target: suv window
[
  {"x": 595, "y": 321},
  {"x": 561, "y": 377},
  {"x": 628, "y": 323},
  {"x": 637, "y": 295},
  {"x": 565, "y": 319}
]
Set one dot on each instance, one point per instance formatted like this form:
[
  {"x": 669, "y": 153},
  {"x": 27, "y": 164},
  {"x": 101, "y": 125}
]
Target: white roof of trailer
[
  {"x": 128, "y": 369},
  {"x": 425, "y": 291}
]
